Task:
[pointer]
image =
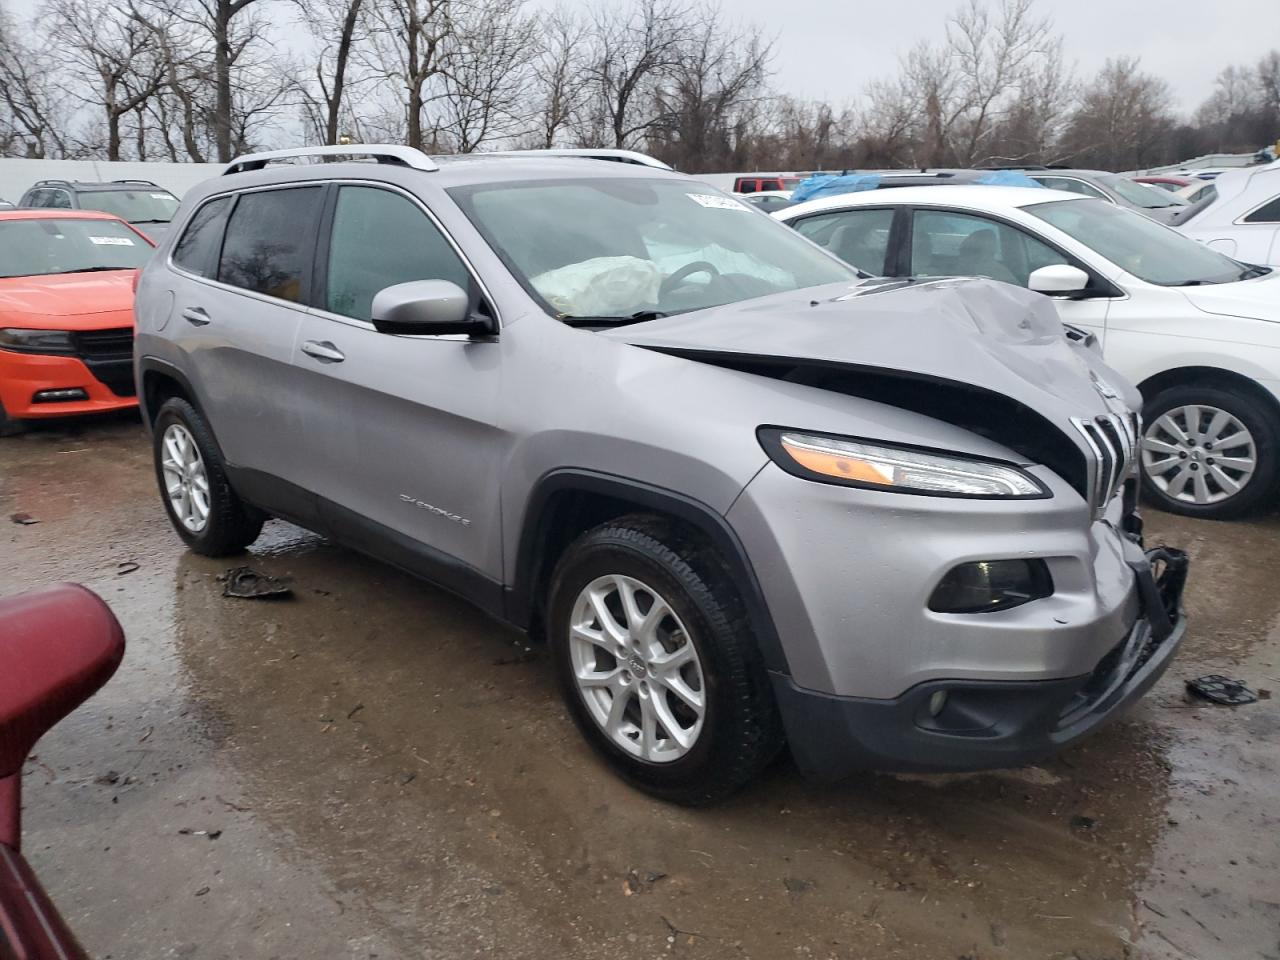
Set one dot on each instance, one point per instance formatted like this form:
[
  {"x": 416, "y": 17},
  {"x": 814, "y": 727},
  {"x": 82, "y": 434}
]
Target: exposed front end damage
[{"x": 878, "y": 678}]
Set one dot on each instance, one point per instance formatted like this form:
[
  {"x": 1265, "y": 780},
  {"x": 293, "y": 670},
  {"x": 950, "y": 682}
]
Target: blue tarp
[{"x": 830, "y": 185}]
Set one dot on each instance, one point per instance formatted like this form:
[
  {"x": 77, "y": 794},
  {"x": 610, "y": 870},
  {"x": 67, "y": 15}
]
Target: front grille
[
  {"x": 109, "y": 356},
  {"x": 1113, "y": 442},
  {"x": 114, "y": 344}
]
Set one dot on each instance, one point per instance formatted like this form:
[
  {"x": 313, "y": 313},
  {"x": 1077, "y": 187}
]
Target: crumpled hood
[
  {"x": 979, "y": 332},
  {"x": 49, "y": 301},
  {"x": 1253, "y": 299}
]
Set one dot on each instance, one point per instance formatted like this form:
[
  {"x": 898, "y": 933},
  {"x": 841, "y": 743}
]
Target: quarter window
[
  {"x": 197, "y": 251},
  {"x": 960, "y": 245},
  {"x": 1267, "y": 213},
  {"x": 269, "y": 241},
  {"x": 380, "y": 239},
  {"x": 859, "y": 237}
]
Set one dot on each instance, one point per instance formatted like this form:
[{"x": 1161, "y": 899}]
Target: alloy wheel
[
  {"x": 636, "y": 669},
  {"x": 1199, "y": 454},
  {"x": 186, "y": 481}
]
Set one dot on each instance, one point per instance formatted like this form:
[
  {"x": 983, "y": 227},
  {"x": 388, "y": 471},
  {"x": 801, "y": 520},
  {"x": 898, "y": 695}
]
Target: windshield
[
  {"x": 1141, "y": 246},
  {"x": 633, "y": 248},
  {"x": 145, "y": 205},
  {"x": 1139, "y": 194},
  {"x": 37, "y": 247}
]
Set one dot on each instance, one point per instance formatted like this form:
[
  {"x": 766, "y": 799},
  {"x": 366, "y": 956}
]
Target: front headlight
[
  {"x": 860, "y": 463},
  {"x": 36, "y": 341}
]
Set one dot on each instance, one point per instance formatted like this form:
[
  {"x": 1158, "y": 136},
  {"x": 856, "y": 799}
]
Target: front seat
[{"x": 977, "y": 258}]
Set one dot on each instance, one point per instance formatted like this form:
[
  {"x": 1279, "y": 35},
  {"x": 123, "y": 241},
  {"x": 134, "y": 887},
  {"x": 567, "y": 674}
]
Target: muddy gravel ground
[{"x": 375, "y": 769}]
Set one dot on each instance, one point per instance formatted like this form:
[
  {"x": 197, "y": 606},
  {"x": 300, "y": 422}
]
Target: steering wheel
[{"x": 689, "y": 269}]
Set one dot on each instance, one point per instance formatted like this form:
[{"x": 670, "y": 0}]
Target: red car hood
[{"x": 70, "y": 301}]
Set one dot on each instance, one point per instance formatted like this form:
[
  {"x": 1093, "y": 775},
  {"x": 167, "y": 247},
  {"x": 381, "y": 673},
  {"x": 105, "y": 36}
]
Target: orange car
[{"x": 66, "y": 313}]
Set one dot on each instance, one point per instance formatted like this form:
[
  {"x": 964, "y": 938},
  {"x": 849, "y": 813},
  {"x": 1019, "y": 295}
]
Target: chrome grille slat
[{"x": 1113, "y": 442}]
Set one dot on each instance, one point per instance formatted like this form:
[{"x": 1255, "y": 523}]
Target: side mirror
[
  {"x": 57, "y": 647},
  {"x": 425, "y": 307},
  {"x": 1058, "y": 279}
]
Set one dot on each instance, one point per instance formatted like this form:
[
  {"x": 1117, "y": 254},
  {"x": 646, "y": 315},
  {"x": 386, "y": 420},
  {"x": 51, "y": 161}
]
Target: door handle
[
  {"x": 195, "y": 316},
  {"x": 324, "y": 351}
]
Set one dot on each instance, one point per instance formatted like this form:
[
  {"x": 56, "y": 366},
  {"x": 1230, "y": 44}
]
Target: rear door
[
  {"x": 401, "y": 436},
  {"x": 243, "y": 269},
  {"x": 860, "y": 236}
]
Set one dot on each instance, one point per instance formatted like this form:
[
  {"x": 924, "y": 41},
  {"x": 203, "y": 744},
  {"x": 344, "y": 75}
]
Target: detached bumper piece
[{"x": 959, "y": 725}]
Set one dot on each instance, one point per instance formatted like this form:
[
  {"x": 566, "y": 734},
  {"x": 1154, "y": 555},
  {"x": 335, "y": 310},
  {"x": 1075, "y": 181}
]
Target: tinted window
[
  {"x": 269, "y": 242},
  {"x": 860, "y": 237},
  {"x": 380, "y": 239},
  {"x": 1269, "y": 213},
  {"x": 959, "y": 245},
  {"x": 197, "y": 251}
]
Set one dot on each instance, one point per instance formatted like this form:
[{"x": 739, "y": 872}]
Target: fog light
[
  {"x": 988, "y": 585},
  {"x": 59, "y": 396},
  {"x": 937, "y": 702}
]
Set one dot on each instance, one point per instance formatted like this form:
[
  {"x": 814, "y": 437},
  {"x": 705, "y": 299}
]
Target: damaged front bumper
[{"x": 958, "y": 725}]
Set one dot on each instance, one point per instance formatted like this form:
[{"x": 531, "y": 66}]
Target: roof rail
[
  {"x": 381, "y": 152},
  {"x": 618, "y": 156},
  {"x": 145, "y": 183},
  {"x": 41, "y": 183}
]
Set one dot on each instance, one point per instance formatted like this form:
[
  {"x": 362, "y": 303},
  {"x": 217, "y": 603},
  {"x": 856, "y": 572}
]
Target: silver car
[{"x": 748, "y": 497}]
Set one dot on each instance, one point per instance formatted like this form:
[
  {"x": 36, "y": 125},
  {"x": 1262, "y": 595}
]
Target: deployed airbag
[{"x": 600, "y": 287}]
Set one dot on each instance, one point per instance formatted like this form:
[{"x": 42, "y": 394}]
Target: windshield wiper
[
  {"x": 640, "y": 316},
  {"x": 1253, "y": 270},
  {"x": 59, "y": 273}
]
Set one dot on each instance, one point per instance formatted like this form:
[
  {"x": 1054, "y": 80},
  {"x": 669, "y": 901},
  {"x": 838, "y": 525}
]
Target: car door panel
[
  {"x": 241, "y": 331},
  {"x": 402, "y": 432}
]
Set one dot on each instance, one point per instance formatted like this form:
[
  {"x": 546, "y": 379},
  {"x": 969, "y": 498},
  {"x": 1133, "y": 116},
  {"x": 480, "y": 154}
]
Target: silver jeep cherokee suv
[{"x": 748, "y": 496}]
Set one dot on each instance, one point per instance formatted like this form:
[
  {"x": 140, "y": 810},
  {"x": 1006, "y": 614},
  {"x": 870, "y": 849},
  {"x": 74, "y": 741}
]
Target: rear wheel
[
  {"x": 658, "y": 665},
  {"x": 1209, "y": 452},
  {"x": 206, "y": 513}
]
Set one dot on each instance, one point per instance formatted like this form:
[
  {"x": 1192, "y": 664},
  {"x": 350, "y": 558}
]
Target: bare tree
[
  {"x": 30, "y": 120},
  {"x": 338, "y": 27},
  {"x": 1124, "y": 120},
  {"x": 635, "y": 50},
  {"x": 558, "y": 78},
  {"x": 719, "y": 74},
  {"x": 411, "y": 40},
  {"x": 110, "y": 61}
]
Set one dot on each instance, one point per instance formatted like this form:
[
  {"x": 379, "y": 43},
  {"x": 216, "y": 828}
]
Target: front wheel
[
  {"x": 1209, "y": 452},
  {"x": 206, "y": 513},
  {"x": 658, "y": 665}
]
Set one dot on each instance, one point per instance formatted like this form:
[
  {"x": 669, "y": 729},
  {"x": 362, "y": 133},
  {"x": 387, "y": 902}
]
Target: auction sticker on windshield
[
  {"x": 111, "y": 241},
  {"x": 718, "y": 203}
]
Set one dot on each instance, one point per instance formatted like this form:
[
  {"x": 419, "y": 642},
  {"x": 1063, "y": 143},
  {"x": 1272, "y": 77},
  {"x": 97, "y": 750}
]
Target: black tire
[
  {"x": 1260, "y": 421},
  {"x": 10, "y": 427},
  {"x": 741, "y": 730},
  {"x": 232, "y": 524}
]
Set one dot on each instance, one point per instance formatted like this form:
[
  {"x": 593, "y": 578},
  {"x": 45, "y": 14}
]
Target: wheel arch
[
  {"x": 1208, "y": 376},
  {"x": 565, "y": 503},
  {"x": 157, "y": 382}
]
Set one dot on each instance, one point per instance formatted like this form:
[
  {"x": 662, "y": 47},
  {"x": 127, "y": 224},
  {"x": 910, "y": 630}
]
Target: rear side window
[
  {"x": 197, "y": 251},
  {"x": 269, "y": 239},
  {"x": 859, "y": 237},
  {"x": 1267, "y": 213},
  {"x": 380, "y": 239}
]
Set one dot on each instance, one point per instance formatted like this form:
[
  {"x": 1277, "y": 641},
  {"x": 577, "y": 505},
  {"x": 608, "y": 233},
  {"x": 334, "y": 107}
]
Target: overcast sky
[{"x": 831, "y": 50}]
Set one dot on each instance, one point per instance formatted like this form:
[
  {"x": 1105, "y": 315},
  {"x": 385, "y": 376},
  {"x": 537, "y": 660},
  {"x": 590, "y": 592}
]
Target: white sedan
[
  {"x": 1197, "y": 331},
  {"x": 1239, "y": 214}
]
